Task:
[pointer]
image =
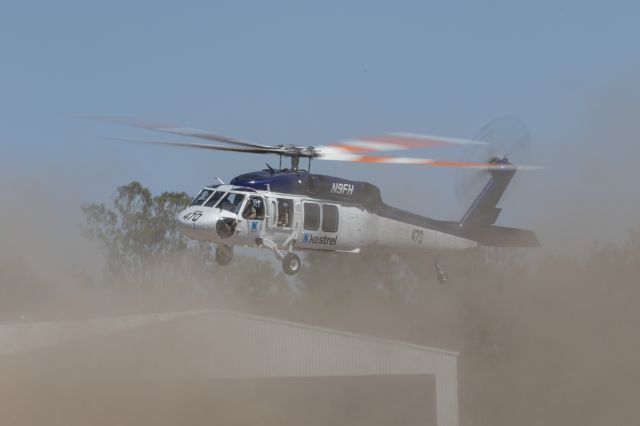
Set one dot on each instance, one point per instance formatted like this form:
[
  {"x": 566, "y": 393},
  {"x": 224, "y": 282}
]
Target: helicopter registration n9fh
[{"x": 289, "y": 210}]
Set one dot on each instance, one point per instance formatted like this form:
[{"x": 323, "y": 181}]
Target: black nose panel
[{"x": 226, "y": 227}]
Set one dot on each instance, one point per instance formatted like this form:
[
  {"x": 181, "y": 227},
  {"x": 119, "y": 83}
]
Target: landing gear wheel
[
  {"x": 291, "y": 264},
  {"x": 440, "y": 274},
  {"x": 224, "y": 254}
]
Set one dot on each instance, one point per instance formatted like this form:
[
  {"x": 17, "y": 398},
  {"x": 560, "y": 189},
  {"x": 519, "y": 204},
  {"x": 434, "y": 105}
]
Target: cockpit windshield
[
  {"x": 214, "y": 199},
  {"x": 231, "y": 202},
  {"x": 202, "y": 197}
]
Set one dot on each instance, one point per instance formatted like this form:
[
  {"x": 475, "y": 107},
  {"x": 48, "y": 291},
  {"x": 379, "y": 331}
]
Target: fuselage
[{"x": 297, "y": 210}]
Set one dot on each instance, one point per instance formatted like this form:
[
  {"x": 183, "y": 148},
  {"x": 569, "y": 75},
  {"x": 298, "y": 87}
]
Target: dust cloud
[{"x": 545, "y": 336}]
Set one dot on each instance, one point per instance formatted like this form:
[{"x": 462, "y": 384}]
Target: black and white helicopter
[{"x": 286, "y": 210}]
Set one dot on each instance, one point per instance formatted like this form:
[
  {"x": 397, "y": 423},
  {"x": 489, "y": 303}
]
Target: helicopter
[{"x": 292, "y": 210}]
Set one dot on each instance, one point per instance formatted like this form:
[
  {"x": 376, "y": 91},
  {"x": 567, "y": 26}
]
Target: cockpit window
[
  {"x": 231, "y": 202},
  {"x": 214, "y": 199},
  {"x": 202, "y": 197}
]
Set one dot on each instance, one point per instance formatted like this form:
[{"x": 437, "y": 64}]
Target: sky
[{"x": 309, "y": 73}]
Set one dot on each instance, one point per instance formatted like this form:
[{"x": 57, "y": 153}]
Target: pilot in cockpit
[
  {"x": 254, "y": 209},
  {"x": 250, "y": 211}
]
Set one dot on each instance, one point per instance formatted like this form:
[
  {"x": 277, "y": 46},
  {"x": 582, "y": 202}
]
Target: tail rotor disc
[{"x": 506, "y": 137}]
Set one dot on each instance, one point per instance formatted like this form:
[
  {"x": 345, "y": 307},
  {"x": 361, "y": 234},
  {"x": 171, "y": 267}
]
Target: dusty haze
[{"x": 548, "y": 336}]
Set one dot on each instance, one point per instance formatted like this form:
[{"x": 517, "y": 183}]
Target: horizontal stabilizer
[{"x": 502, "y": 236}]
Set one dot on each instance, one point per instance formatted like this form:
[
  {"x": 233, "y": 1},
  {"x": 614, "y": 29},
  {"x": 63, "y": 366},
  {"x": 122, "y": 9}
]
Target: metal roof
[{"x": 224, "y": 344}]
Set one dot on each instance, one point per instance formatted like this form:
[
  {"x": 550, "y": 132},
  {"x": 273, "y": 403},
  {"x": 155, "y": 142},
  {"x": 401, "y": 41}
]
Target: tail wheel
[
  {"x": 440, "y": 274},
  {"x": 224, "y": 254},
  {"x": 291, "y": 264}
]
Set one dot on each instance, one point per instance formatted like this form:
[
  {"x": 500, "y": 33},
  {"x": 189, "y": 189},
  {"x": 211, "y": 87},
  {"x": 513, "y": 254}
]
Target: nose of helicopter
[
  {"x": 197, "y": 224},
  {"x": 209, "y": 224}
]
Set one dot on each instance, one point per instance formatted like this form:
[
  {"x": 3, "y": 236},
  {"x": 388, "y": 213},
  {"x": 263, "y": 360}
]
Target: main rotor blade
[
  {"x": 168, "y": 128},
  {"x": 422, "y": 161},
  {"x": 250, "y": 150},
  {"x": 395, "y": 142}
]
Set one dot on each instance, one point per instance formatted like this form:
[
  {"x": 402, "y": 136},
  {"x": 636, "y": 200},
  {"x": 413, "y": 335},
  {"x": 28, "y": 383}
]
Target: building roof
[{"x": 211, "y": 344}]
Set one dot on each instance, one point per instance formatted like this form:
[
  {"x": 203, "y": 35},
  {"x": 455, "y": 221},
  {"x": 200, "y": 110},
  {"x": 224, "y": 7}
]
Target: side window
[
  {"x": 254, "y": 208},
  {"x": 285, "y": 212},
  {"x": 330, "y": 218},
  {"x": 311, "y": 216},
  {"x": 213, "y": 200}
]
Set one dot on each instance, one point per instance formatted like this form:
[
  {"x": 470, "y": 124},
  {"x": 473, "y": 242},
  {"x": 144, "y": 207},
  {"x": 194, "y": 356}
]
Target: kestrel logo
[
  {"x": 309, "y": 238},
  {"x": 254, "y": 225}
]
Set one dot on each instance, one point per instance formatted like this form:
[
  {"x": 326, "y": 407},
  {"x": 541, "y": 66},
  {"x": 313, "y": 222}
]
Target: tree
[{"x": 137, "y": 231}]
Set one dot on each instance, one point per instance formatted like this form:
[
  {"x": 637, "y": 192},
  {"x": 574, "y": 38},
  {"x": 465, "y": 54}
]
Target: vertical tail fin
[
  {"x": 483, "y": 210},
  {"x": 478, "y": 223}
]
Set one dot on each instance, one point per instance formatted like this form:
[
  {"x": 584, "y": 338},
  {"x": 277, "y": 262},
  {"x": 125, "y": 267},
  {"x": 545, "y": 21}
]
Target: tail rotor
[{"x": 508, "y": 140}]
